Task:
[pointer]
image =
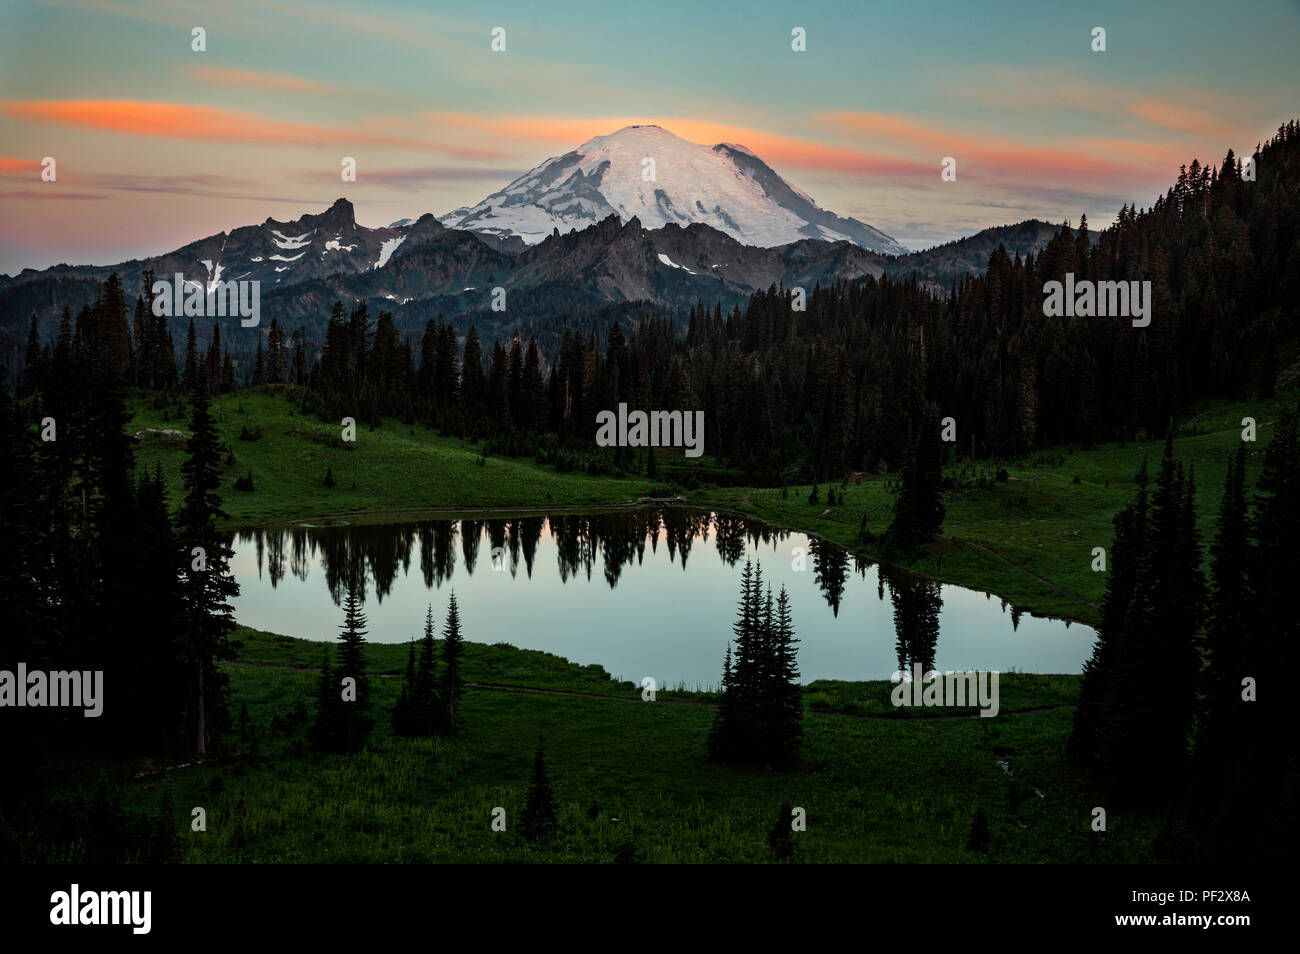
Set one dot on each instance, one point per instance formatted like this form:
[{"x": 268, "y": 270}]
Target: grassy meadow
[
  {"x": 631, "y": 778},
  {"x": 632, "y": 781}
]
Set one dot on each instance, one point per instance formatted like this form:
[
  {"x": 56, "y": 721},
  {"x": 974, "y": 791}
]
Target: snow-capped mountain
[{"x": 724, "y": 186}]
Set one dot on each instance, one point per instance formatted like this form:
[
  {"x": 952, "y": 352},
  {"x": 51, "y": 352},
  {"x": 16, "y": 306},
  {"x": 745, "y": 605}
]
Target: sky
[{"x": 157, "y": 144}]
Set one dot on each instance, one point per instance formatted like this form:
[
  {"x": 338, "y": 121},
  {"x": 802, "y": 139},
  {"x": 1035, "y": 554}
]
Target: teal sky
[{"x": 157, "y": 144}]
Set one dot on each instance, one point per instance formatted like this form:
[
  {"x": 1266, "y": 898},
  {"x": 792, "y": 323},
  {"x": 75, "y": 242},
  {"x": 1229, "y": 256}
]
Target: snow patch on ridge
[
  {"x": 213, "y": 279},
  {"x": 671, "y": 264},
  {"x": 289, "y": 243},
  {"x": 387, "y": 249}
]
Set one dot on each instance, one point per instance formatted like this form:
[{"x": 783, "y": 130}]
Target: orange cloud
[
  {"x": 10, "y": 165},
  {"x": 1019, "y": 88},
  {"x": 774, "y": 148},
  {"x": 989, "y": 157},
  {"x": 1205, "y": 125},
  {"x": 212, "y": 124}
]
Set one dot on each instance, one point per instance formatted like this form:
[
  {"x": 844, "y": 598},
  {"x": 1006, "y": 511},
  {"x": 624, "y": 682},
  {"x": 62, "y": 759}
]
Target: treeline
[
  {"x": 503, "y": 393},
  {"x": 138, "y": 348},
  {"x": 844, "y": 384},
  {"x": 99, "y": 574},
  {"x": 1184, "y": 703},
  {"x": 840, "y": 385},
  {"x": 99, "y": 571}
]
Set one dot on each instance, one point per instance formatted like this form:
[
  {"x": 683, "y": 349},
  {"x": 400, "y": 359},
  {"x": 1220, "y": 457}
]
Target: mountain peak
[
  {"x": 341, "y": 210},
  {"x": 650, "y": 174}
]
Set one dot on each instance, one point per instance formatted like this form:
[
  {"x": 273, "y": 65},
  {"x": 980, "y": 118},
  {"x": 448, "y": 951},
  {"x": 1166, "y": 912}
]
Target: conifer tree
[
  {"x": 190, "y": 376},
  {"x": 427, "y": 706},
  {"x": 274, "y": 353},
  {"x": 472, "y": 384},
  {"x": 1136, "y": 700},
  {"x": 355, "y": 719},
  {"x": 538, "y": 821},
  {"x": 450, "y": 684},
  {"x": 32, "y": 365},
  {"x": 786, "y": 704},
  {"x": 919, "y": 509},
  {"x": 1112, "y": 649},
  {"x": 759, "y": 718},
  {"x": 206, "y": 580}
]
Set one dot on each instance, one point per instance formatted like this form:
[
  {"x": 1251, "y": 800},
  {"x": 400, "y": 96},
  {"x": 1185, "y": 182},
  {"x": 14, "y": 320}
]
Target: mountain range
[{"x": 715, "y": 224}]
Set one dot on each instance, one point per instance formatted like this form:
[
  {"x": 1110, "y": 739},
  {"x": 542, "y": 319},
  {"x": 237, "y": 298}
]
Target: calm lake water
[{"x": 643, "y": 593}]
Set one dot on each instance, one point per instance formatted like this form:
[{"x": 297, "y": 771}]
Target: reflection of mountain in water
[{"x": 372, "y": 555}]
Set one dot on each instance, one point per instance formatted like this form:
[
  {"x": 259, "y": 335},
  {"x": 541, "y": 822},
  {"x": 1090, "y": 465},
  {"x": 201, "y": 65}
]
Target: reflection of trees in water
[
  {"x": 572, "y": 545},
  {"x": 275, "y": 557},
  {"x": 830, "y": 570},
  {"x": 530, "y": 529},
  {"x": 496, "y": 535},
  {"x": 681, "y": 527},
  {"x": 471, "y": 531},
  {"x": 512, "y": 541},
  {"x": 1016, "y": 613},
  {"x": 917, "y": 602},
  {"x": 437, "y": 552},
  {"x": 301, "y": 550},
  {"x": 730, "y": 538},
  {"x": 372, "y": 556},
  {"x": 616, "y": 537}
]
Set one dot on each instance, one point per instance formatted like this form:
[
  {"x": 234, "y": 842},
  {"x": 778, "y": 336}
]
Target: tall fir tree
[
  {"x": 427, "y": 706},
  {"x": 207, "y": 584},
  {"x": 451, "y": 685},
  {"x": 759, "y": 718},
  {"x": 919, "y": 508},
  {"x": 355, "y": 719}
]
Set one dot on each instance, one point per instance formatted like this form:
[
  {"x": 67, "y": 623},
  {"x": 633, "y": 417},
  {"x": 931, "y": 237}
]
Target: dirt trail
[{"x": 1060, "y": 589}]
